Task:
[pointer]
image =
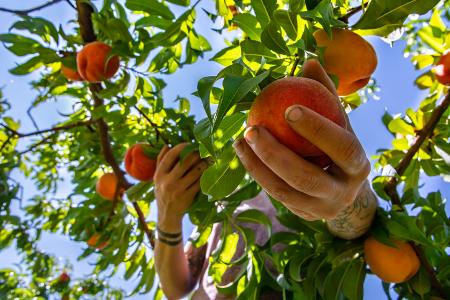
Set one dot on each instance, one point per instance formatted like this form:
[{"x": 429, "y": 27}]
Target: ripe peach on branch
[
  {"x": 349, "y": 57},
  {"x": 95, "y": 63}
]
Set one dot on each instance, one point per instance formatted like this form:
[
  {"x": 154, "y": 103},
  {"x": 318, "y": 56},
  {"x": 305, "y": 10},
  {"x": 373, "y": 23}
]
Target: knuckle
[
  {"x": 266, "y": 153},
  {"x": 278, "y": 193},
  {"x": 306, "y": 182},
  {"x": 351, "y": 151}
]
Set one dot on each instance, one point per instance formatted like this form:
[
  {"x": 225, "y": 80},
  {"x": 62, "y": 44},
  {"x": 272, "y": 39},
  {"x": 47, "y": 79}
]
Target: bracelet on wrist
[
  {"x": 168, "y": 235},
  {"x": 169, "y": 242}
]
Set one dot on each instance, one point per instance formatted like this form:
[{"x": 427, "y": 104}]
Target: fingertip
[{"x": 293, "y": 113}]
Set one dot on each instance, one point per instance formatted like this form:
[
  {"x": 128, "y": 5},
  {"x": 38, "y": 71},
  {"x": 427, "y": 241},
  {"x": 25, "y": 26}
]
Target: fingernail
[
  {"x": 237, "y": 145},
  {"x": 251, "y": 135},
  {"x": 294, "y": 113}
]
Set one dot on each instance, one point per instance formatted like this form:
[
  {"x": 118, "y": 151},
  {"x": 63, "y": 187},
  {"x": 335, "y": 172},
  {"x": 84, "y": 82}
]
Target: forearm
[
  {"x": 356, "y": 219},
  {"x": 171, "y": 264}
]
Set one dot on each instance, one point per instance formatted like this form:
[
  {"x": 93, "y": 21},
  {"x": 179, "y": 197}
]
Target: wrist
[{"x": 170, "y": 223}]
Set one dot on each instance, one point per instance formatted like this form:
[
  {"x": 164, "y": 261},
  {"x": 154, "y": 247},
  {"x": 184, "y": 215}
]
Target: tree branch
[
  {"x": 88, "y": 35},
  {"x": 54, "y": 129},
  {"x": 391, "y": 186},
  {"x": 25, "y": 12},
  {"x": 351, "y": 12}
]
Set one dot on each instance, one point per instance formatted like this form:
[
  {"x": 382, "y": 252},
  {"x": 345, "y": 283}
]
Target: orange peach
[
  {"x": 70, "y": 74},
  {"x": 106, "y": 186},
  {"x": 139, "y": 163},
  {"x": 94, "y": 240},
  {"x": 349, "y": 57},
  {"x": 95, "y": 64},
  {"x": 391, "y": 264},
  {"x": 268, "y": 110}
]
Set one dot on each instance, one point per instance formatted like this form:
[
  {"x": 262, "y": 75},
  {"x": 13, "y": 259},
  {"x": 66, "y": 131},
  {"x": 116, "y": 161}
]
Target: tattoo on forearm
[
  {"x": 357, "y": 218},
  {"x": 196, "y": 258}
]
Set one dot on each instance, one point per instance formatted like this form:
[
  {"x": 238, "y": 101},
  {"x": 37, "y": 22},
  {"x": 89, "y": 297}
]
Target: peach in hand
[{"x": 269, "y": 108}]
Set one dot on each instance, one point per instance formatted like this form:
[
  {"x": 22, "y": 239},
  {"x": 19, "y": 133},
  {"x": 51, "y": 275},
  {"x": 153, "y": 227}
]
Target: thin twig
[
  {"x": 351, "y": 12},
  {"x": 34, "y": 146},
  {"x": 391, "y": 186},
  {"x": 155, "y": 126},
  {"x": 53, "y": 129},
  {"x": 294, "y": 67},
  {"x": 25, "y": 12},
  {"x": 71, "y": 4}
]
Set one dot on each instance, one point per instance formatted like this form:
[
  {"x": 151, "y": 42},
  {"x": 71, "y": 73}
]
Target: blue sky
[{"x": 394, "y": 75}]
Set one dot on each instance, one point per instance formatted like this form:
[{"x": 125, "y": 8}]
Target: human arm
[
  {"x": 176, "y": 185},
  {"x": 304, "y": 188}
]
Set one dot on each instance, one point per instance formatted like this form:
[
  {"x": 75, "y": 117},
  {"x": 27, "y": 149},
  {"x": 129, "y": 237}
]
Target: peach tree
[{"x": 153, "y": 39}]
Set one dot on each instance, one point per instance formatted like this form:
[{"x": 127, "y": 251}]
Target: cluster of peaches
[{"x": 140, "y": 164}]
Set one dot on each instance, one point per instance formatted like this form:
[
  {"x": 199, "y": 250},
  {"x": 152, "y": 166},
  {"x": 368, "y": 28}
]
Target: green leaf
[
  {"x": 137, "y": 191},
  {"x": 354, "y": 280},
  {"x": 255, "y": 51},
  {"x": 235, "y": 88},
  {"x": 400, "y": 126},
  {"x": 249, "y": 24},
  {"x": 263, "y": 10},
  {"x": 204, "y": 87},
  {"x": 288, "y": 22},
  {"x": 385, "y": 12},
  {"x": 152, "y": 7},
  {"x": 421, "y": 61},
  {"x": 38, "y": 26},
  {"x": 405, "y": 227},
  {"x": 203, "y": 134},
  {"x": 20, "y": 45},
  {"x": 27, "y": 67},
  {"x": 323, "y": 13},
  {"x": 298, "y": 262},
  {"x": 272, "y": 38},
  {"x": 180, "y": 2},
  {"x": 227, "y": 55},
  {"x": 421, "y": 282},
  {"x": 155, "y": 21},
  {"x": 433, "y": 37},
  {"x": 228, "y": 128},
  {"x": 198, "y": 42},
  {"x": 425, "y": 80},
  {"x": 222, "y": 178},
  {"x": 256, "y": 216},
  {"x": 334, "y": 282}
]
